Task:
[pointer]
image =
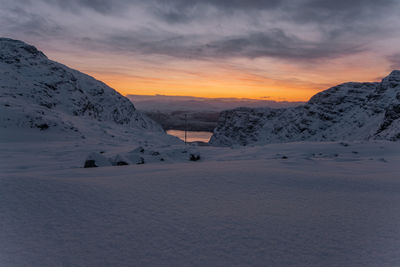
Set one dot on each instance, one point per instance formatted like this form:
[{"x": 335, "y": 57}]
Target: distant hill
[
  {"x": 350, "y": 111},
  {"x": 191, "y": 103},
  {"x": 195, "y": 113}
]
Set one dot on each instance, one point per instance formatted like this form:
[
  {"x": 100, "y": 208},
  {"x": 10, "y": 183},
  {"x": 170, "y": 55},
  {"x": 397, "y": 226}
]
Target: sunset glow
[
  {"x": 284, "y": 50},
  {"x": 281, "y": 81}
]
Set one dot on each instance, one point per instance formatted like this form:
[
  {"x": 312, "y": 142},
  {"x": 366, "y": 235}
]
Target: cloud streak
[{"x": 274, "y": 43}]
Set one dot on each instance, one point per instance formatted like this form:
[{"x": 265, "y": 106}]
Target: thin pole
[{"x": 185, "y": 128}]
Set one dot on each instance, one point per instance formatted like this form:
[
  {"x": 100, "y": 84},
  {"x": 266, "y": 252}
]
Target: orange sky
[{"x": 241, "y": 78}]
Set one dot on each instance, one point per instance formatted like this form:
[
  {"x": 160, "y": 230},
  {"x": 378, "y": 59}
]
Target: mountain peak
[
  {"x": 390, "y": 82},
  {"x": 394, "y": 75},
  {"x": 15, "y": 50}
]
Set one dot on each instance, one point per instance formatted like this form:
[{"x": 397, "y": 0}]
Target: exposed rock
[
  {"x": 119, "y": 160},
  {"x": 194, "y": 157},
  {"x": 43, "y": 126},
  {"x": 96, "y": 160},
  {"x": 140, "y": 161},
  {"x": 90, "y": 164}
]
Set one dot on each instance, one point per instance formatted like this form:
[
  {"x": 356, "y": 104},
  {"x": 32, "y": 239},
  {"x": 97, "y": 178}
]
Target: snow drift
[{"x": 350, "y": 111}]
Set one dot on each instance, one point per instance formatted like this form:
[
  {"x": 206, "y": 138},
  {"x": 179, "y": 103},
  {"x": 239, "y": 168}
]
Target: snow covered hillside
[
  {"x": 38, "y": 95},
  {"x": 350, "y": 111}
]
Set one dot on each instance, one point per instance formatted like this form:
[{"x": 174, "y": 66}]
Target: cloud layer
[
  {"x": 299, "y": 33},
  {"x": 302, "y": 29}
]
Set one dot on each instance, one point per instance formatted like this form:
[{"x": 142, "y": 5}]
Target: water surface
[{"x": 192, "y": 136}]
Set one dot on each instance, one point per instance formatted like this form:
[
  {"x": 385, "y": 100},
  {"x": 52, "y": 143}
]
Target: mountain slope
[
  {"x": 350, "y": 111},
  {"x": 40, "y": 95}
]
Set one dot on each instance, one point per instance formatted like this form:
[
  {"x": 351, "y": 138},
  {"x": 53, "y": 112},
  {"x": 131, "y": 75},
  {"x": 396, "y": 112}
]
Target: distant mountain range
[
  {"x": 191, "y": 103},
  {"x": 350, "y": 111},
  {"x": 195, "y": 113}
]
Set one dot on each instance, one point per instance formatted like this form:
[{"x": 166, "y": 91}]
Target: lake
[{"x": 192, "y": 136}]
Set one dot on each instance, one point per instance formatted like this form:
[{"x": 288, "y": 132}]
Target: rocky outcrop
[{"x": 350, "y": 111}]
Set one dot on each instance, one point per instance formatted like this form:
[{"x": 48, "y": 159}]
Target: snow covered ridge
[
  {"x": 350, "y": 111},
  {"x": 44, "y": 96}
]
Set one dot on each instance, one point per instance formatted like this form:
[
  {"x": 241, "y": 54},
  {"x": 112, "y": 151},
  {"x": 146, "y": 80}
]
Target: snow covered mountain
[
  {"x": 350, "y": 111},
  {"x": 38, "y": 95}
]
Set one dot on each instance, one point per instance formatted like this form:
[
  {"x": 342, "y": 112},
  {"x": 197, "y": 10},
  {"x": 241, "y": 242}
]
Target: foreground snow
[{"x": 287, "y": 204}]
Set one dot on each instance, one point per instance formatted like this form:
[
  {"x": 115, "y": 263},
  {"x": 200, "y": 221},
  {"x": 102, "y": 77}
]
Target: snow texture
[
  {"x": 297, "y": 204},
  {"x": 350, "y": 111}
]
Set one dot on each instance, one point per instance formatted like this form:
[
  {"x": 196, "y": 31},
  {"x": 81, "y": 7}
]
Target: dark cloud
[
  {"x": 328, "y": 6},
  {"x": 224, "y": 4},
  {"x": 102, "y": 6},
  {"x": 337, "y": 5},
  {"x": 173, "y": 15},
  {"x": 23, "y": 22},
  {"x": 186, "y": 29},
  {"x": 341, "y": 12},
  {"x": 277, "y": 43},
  {"x": 274, "y": 43},
  {"x": 301, "y": 11},
  {"x": 175, "y": 11}
]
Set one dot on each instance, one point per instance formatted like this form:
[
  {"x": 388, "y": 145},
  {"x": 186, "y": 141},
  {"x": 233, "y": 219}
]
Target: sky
[{"x": 277, "y": 49}]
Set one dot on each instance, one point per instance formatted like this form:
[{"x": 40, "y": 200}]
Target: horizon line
[{"x": 221, "y": 98}]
